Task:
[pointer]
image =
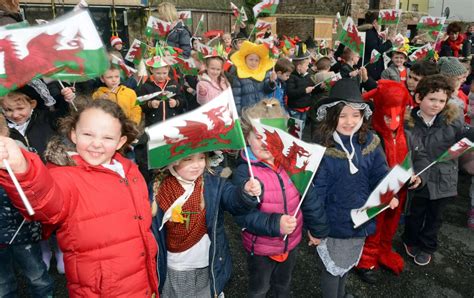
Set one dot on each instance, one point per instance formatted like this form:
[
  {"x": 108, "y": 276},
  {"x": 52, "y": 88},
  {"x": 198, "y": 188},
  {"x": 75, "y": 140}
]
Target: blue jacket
[
  {"x": 10, "y": 221},
  {"x": 248, "y": 92},
  {"x": 340, "y": 192},
  {"x": 180, "y": 37},
  {"x": 219, "y": 195},
  {"x": 278, "y": 92}
]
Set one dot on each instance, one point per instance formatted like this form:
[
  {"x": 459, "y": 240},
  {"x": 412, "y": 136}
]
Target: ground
[{"x": 450, "y": 274}]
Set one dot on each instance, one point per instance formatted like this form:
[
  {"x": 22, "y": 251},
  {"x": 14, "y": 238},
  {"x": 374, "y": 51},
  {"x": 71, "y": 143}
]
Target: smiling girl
[
  {"x": 212, "y": 82},
  {"x": 98, "y": 202}
]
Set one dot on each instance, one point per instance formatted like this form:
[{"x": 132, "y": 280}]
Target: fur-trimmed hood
[
  {"x": 59, "y": 152},
  {"x": 450, "y": 113}
]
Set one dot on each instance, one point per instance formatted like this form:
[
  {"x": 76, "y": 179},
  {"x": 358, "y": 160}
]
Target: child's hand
[
  {"x": 273, "y": 76},
  {"x": 394, "y": 203},
  {"x": 353, "y": 73},
  {"x": 10, "y": 151},
  {"x": 287, "y": 224},
  {"x": 173, "y": 103},
  {"x": 253, "y": 187},
  {"x": 154, "y": 103},
  {"x": 104, "y": 96},
  {"x": 312, "y": 240},
  {"x": 68, "y": 93},
  {"x": 309, "y": 89},
  {"x": 363, "y": 74},
  {"x": 415, "y": 181}
]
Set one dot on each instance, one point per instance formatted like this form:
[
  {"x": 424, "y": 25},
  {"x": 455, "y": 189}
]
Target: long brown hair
[{"x": 326, "y": 128}]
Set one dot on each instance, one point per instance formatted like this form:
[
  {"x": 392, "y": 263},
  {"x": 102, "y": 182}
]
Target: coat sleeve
[
  {"x": 135, "y": 109},
  {"x": 97, "y": 94},
  {"x": 292, "y": 89},
  {"x": 268, "y": 86},
  {"x": 314, "y": 215},
  {"x": 202, "y": 93},
  {"x": 185, "y": 42},
  {"x": 50, "y": 196},
  {"x": 379, "y": 167},
  {"x": 234, "y": 198},
  {"x": 256, "y": 222}
]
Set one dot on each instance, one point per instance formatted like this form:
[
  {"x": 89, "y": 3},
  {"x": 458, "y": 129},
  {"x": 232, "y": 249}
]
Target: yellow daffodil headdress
[{"x": 247, "y": 48}]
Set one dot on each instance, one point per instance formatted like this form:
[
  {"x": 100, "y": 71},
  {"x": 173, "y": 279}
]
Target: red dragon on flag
[{"x": 43, "y": 58}]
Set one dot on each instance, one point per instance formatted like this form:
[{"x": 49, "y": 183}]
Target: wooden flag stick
[{"x": 72, "y": 101}]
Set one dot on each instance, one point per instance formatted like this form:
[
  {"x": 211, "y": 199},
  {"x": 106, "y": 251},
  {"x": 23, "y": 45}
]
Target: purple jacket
[{"x": 280, "y": 196}]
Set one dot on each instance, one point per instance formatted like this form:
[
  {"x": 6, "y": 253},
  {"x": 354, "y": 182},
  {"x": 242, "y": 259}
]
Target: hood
[{"x": 450, "y": 113}]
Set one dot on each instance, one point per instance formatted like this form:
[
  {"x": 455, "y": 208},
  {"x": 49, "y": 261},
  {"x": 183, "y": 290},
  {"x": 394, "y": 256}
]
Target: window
[
  {"x": 414, "y": 7},
  {"x": 374, "y": 4}
]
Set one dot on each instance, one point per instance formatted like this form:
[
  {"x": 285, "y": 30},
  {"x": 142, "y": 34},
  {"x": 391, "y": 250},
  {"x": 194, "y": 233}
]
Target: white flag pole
[
  {"x": 250, "y": 166},
  {"x": 18, "y": 188}
]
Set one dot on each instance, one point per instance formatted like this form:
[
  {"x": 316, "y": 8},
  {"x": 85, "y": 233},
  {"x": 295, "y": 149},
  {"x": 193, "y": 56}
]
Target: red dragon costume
[{"x": 390, "y": 100}]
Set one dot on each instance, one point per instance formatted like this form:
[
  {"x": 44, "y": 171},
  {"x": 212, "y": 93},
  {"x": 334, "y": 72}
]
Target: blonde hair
[
  {"x": 266, "y": 108},
  {"x": 16, "y": 97},
  {"x": 167, "y": 12}
]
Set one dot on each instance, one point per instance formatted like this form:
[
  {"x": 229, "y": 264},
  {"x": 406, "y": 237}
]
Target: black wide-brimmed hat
[
  {"x": 347, "y": 91},
  {"x": 300, "y": 52}
]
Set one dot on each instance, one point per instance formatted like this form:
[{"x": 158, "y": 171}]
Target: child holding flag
[
  {"x": 97, "y": 199},
  {"x": 352, "y": 167},
  {"x": 194, "y": 254},
  {"x": 437, "y": 124},
  {"x": 271, "y": 257}
]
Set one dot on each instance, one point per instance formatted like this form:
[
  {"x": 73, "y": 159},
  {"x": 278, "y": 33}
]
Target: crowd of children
[{"x": 125, "y": 230}]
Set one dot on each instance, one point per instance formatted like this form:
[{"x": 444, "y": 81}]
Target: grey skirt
[
  {"x": 192, "y": 283},
  {"x": 340, "y": 255}
]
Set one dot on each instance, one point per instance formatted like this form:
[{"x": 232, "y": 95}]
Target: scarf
[
  {"x": 187, "y": 225},
  {"x": 456, "y": 45}
]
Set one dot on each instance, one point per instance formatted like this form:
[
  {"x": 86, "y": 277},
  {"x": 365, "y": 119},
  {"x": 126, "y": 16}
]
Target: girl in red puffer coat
[{"x": 98, "y": 201}]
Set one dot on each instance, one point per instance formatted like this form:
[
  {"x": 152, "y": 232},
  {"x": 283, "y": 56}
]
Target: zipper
[{"x": 285, "y": 206}]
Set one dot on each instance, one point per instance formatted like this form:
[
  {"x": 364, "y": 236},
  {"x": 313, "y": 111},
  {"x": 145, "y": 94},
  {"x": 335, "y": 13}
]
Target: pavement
[{"x": 450, "y": 274}]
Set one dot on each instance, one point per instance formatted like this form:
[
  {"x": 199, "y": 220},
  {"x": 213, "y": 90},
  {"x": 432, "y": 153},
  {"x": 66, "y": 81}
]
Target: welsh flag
[
  {"x": 243, "y": 14},
  {"x": 274, "y": 52},
  {"x": 380, "y": 198},
  {"x": 188, "y": 66},
  {"x": 456, "y": 150},
  {"x": 199, "y": 26},
  {"x": 157, "y": 28},
  {"x": 212, "y": 126},
  {"x": 350, "y": 37},
  {"x": 142, "y": 73},
  {"x": 330, "y": 82},
  {"x": 125, "y": 70},
  {"x": 337, "y": 23},
  {"x": 389, "y": 16},
  {"x": 299, "y": 159},
  {"x": 203, "y": 50},
  {"x": 266, "y": 6},
  {"x": 374, "y": 56},
  {"x": 235, "y": 10},
  {"x": 161, "y": 95},
  {"x": 185, "y": 16},
  {"x": 431, "y": 24},
  {"x": 290, "y": 125},
  {"x": 68, "y": 48},
  {"x": 399, "y": 40},
  {"x": 261, "y": 28},
  {"x": 136, "y": 52},
  {"x": 426, "y": 52}
]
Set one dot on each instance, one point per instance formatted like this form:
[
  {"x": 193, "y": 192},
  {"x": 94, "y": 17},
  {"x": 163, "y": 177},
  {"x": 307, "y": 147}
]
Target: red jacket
[{"x": 103, "y": 224}]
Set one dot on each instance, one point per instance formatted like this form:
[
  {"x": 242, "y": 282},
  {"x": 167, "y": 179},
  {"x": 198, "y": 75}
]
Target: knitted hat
[
  {"x": 450, "y": 66},
  {"x": 115, "y": 40}
]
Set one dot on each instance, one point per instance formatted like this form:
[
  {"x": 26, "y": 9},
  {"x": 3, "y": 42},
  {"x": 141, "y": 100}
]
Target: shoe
[
  {"x": 367, "y": 275},
  {"x": 422, "y": 258},
  {"x": 412, "y": 251},
  {"x": 470, "y": 220}
]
